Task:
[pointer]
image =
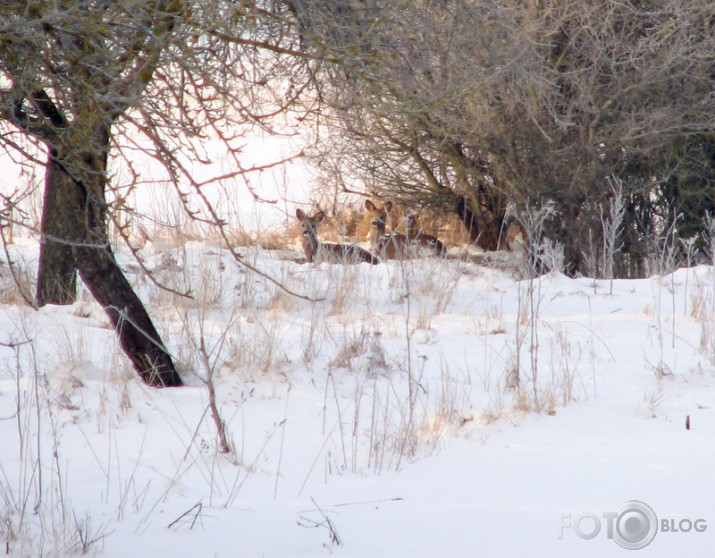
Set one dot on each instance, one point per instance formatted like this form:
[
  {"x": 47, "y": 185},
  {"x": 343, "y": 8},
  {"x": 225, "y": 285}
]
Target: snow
[{"x": 316, "y": 399}]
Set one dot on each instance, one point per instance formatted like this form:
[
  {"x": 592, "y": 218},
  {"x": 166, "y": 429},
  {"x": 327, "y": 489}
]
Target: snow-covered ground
[{"x": 380, "y": 418}]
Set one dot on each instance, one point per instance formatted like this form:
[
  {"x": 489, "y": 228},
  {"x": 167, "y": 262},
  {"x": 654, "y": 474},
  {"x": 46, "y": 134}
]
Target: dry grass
[
  {"x": 17, "y": 284},
  {"x": 266, "y": 239}
]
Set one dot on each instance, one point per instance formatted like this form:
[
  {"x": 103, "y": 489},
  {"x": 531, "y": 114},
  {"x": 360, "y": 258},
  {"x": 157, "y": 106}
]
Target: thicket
[{"x": 491, "y": 110}]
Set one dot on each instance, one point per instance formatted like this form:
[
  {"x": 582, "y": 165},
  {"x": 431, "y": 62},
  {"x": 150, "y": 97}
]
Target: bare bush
[{"x": 466, "y": 106}]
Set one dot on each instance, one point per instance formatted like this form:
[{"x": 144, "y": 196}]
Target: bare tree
[{"x": 86, "y": 79}]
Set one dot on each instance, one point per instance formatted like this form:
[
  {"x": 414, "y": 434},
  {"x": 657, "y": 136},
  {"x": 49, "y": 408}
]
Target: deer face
[
  {"x": 378, "y": 216},
  {"x": 309, "y": 227},
  {"x": 309, "y": 224}
]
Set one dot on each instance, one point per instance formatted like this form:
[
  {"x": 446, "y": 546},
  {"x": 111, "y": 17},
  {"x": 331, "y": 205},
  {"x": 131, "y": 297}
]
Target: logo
[{"x": 633, "y": 525}]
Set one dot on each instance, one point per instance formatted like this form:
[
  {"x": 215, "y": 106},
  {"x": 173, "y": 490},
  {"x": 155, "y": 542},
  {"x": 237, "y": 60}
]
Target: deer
[
  {"x": 317, "y": 251},
  {"x": 397, "y": 246},
  {"x": 414, "y": 235}
]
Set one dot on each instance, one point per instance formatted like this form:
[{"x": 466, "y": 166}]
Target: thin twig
[{"x": 196, "y": 509}]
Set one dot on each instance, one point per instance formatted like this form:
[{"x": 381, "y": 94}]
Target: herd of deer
[{"x": 383, "y": 245}]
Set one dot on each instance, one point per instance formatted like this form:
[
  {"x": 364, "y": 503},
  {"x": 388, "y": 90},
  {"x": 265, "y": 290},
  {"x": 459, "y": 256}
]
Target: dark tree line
[{"x": 470, "y": 106}]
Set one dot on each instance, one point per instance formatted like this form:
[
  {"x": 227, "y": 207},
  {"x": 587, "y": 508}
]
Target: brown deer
[
  {"x": 515, "y": 236},
  {"x": 324, "y": 252},
  {"x": 397, "y": 246},
  {"x": 414, "y": 235}
]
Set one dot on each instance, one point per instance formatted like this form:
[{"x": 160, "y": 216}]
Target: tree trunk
[
  {"x": 57, "y": 272},
  {"x": 84, "y": 216},
  {"x": 138, "y": 336},
  {"x": 488, "y": 234}
]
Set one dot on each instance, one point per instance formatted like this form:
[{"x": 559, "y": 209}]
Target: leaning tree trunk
[
  {"x": 138, "y": 336},
  {"x": 85, "y": 216},
  {"x": 57, "y": 272}
]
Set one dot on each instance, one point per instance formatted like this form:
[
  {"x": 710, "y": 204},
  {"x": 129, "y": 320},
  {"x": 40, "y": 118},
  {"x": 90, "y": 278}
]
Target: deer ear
[
  {"x": 319, "y": 216},
  {"x": 369, "y": 205},
  {"x": 299, "y": 213},
  {"x": 388, "y": 206}
]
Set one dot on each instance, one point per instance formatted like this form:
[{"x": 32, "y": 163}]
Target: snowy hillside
[{"x": 425, "y": 409}]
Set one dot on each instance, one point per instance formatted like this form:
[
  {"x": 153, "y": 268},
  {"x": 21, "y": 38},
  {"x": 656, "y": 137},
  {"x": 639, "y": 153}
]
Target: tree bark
[
  {"x": 57, "y": 272},
  {"x": 84, "y": 221},
  {"x": 137, "y": 335},
  {"x": 488, "y": 234}
]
